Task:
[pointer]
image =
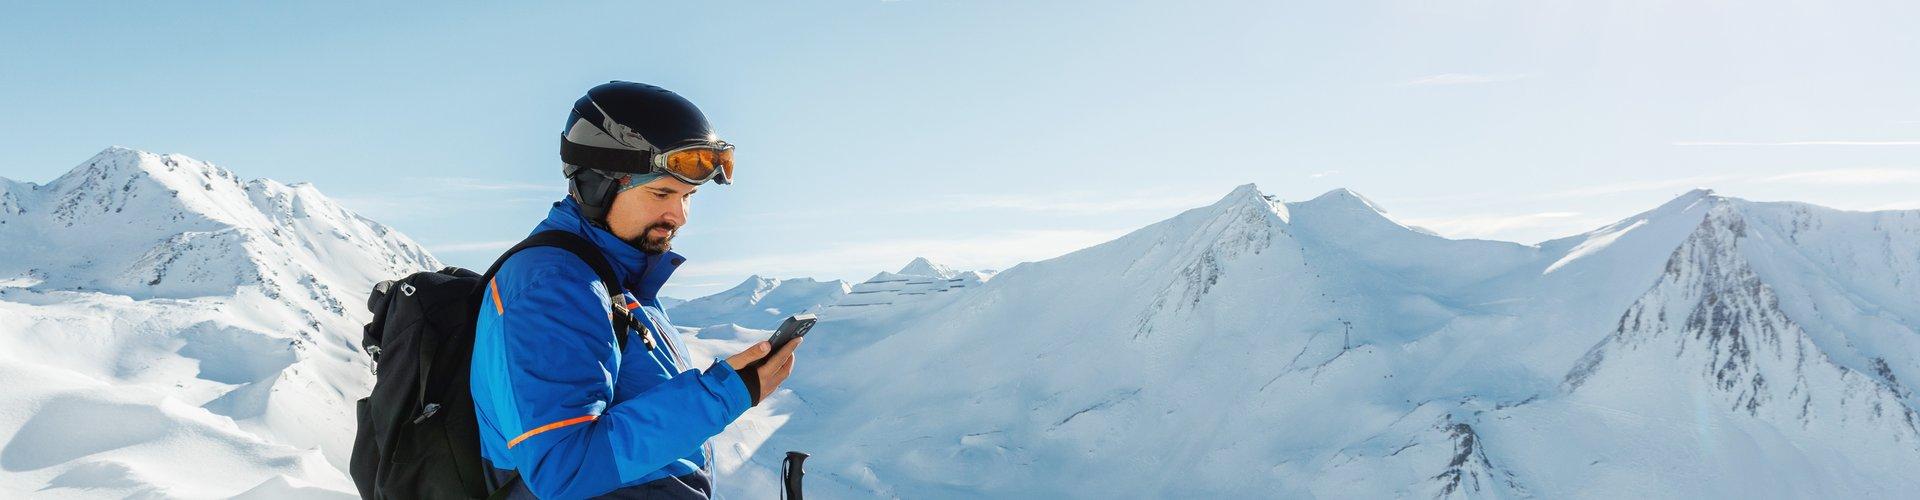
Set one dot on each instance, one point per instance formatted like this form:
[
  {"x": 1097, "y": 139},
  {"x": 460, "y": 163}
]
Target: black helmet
[{"x": 617, "y": 129}]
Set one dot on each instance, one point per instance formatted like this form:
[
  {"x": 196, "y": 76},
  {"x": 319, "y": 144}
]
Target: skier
[{"x": 566, "y": 408}]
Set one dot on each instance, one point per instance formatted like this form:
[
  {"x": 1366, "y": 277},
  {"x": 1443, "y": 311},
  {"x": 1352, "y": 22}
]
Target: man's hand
[{"x": 761, "y": 372}]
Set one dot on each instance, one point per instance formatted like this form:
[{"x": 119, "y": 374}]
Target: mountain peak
[
  {"x": 1692, "y": 196},
  {"x": 923, "y": 267},
  {"x": 1249, "y": 195},
  {"x": 1345, "y": 198},
  {"x": 756, "y": 283},
  {"x": 1683, "y": 204},
  {"x": 117, "y": 151},
  {"x": 1345, "y": 209},
  {"x": 116, "y": 162},
  {"x": 1244, "y": 193}
]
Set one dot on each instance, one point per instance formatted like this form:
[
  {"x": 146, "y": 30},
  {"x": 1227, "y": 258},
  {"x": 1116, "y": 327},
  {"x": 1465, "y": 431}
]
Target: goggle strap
[{"x": 609, "y": 159}]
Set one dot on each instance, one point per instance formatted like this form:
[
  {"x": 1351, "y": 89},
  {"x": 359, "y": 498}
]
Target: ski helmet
[{"x": 615, "y": 131}]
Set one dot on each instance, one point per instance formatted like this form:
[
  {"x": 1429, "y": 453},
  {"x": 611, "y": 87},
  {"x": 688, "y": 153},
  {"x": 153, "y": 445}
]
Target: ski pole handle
[{"x": 790, "y": 472}]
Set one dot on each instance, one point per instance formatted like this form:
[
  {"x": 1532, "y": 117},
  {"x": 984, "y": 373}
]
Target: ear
[{"x": 594, "y": 192}]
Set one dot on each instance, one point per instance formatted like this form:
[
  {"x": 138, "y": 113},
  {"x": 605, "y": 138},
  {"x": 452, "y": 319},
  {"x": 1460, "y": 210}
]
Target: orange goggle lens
[{"x": 700, "y": 163}]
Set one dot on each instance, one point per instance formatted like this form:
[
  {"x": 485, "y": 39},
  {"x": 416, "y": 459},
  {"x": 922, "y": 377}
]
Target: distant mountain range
[{"x": 762, "y": 303}]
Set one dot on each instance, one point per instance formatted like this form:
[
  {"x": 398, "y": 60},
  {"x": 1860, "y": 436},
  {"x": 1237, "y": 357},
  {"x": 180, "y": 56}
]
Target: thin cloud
[
  {"x": 1850, "y": 177},
  {"x": 476, "y": 184},
  {"x": 475, "y": 246},
  {"x": 1079, "y": 203},
  {"x": 861, "y": 259},
  {"x": 1461, "y": 79},
  {"x": 1320, "y": 175},
  {"x": 1797, "y": 143},
  {"x": 1641, "y": 186},
  {"x": 1834, "y": 177},
  {"x": 374, "y": 206},
  {"x": 428, "y": 197},
  {"x": 1510, "y": 227},
  {"x": 1898, "y": 205},
  {"x": 1070, "y": 203}
]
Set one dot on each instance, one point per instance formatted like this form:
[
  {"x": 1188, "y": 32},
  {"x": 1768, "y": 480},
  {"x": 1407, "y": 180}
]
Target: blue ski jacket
[{"x": 561, "y": 404}]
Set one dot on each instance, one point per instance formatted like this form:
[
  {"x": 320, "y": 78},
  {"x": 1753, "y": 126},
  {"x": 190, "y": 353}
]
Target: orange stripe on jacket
[
  {"x": 552, "y": 426},
  {"x": 497, "y": 308}
]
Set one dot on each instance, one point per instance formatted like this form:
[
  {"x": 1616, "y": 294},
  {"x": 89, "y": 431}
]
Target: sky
[{"x": 986, "y": 133}]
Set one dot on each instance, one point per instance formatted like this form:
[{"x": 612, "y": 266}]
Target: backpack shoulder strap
[
  {"x": 570, "y": 242},
  {"x": 580, "y": 248}
]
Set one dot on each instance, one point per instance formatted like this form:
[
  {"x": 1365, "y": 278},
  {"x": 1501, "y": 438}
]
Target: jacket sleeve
[{"x": 562, "y": 364}]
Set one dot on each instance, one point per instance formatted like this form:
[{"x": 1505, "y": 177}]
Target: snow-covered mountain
[
  {"x": 921, "y": 266},
  {"x": 169, "y": 329},
  {"x": 1252, "y": 348},
  {"x": 919, "y": 281},
  {"x": 762, "y": 303},
  {"x": 759, "y": 302}
]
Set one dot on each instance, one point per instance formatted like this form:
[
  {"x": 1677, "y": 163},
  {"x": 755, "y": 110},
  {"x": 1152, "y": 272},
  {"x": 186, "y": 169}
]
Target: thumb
[{"x": 753, "y": 353}]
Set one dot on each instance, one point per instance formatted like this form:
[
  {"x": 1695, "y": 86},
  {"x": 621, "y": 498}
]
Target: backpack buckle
[
  {"x": 428, "y": 412},
  {"x": 646, "y": 334},
  {"x": 628, "y": 321}
]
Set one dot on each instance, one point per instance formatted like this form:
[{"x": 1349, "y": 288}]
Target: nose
[{"x": 676, "y": 213}]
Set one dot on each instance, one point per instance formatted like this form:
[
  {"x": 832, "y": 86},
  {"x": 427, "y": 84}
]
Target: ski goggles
[
  {"x": 697, "y": 163},
  {"x": 694, "y": 163}
]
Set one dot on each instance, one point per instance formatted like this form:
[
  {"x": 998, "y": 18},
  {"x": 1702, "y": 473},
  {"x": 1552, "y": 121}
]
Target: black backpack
[{"x": 418, "y": 437}]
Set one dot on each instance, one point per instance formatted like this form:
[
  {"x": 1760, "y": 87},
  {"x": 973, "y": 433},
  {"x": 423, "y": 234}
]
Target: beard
[{"x": 646, "y": 242}]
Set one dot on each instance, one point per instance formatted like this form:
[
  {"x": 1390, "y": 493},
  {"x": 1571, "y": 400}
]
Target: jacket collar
[{"x": 639, "y": 272}]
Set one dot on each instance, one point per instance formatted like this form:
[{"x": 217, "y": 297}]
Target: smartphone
[{"x": 794, "y": 327}]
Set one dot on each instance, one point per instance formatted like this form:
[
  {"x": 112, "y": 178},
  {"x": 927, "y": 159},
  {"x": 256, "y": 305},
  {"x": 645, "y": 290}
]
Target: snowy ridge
[{"x": 213, "y": 322}]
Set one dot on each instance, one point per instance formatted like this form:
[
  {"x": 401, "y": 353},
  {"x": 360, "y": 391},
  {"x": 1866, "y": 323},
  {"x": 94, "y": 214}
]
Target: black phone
[{"x": 794, "y": 327}]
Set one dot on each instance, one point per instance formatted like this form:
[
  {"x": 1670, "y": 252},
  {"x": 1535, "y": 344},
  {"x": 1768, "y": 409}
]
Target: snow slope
[
  {"x": 169, "y": 329},
  {"x": 1253, "y": 348}
]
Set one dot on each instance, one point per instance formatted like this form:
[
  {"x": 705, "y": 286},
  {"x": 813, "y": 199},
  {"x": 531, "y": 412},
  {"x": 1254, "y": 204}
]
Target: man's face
[{"x": 649, "y": 215}]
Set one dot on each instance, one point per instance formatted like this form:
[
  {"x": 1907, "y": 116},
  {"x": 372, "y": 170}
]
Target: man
[{"x": 560, "y": 402}]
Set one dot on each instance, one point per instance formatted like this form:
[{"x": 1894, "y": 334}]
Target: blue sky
[{"x": 983, "y": 134}]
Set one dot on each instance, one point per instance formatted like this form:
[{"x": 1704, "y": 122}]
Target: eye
[{"x": 660, "y": 195}]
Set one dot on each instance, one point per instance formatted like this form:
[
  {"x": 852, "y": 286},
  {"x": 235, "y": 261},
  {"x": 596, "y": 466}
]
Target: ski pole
[{"x": 790, "y": 472}]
